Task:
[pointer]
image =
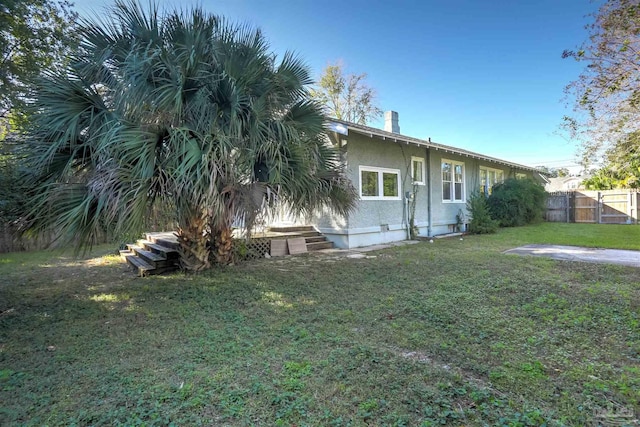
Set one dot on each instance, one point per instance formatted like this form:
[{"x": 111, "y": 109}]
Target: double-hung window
[
  {"x": 379, "y": 183},
  {"x": 488, "y": 178},
  {"x": 417, "y": 170},
  {"x": 452, "y": 181}
]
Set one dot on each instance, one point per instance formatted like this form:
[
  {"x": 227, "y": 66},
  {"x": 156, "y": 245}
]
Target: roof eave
[{"x": 384, "y": 135}]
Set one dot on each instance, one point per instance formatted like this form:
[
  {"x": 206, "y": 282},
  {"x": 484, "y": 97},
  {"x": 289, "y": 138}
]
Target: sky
[{"x": 482, "y": 75}]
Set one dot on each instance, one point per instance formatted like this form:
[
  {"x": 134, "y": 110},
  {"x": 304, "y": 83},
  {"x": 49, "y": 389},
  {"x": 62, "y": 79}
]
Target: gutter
[{"x": 399, "y": 138}]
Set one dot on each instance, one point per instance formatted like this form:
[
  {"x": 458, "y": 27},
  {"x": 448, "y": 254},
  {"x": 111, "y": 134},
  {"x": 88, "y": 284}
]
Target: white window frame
[
  {"x": 453, "y": 181},
  {"x": 488, "y": 186},
  {"x": 379, "y": 171},
  {"x": 422, "y": 168}
]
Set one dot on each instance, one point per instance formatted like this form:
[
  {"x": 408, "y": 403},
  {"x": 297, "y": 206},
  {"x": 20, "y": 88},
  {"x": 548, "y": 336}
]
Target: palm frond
[{"x": 188, "y": 110}]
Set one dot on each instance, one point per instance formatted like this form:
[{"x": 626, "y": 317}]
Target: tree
[
  {"x": 517, "y": 202},
  {"x": 607, "y": 93},
  {"x": 481, "y": 221},
  {"x": 621, "y": 168},
  {"x": 12, "y": 188},
  {"x": 185, "y": 110},
  {"x": 553, "y": 172},
  {"x": 35, "y": 35},
  {"x": 346, "y": 96}
]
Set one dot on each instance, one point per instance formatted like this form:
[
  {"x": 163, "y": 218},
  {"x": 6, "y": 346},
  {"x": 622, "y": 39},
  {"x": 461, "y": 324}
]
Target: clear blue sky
[{"x": 486, "y": 76}]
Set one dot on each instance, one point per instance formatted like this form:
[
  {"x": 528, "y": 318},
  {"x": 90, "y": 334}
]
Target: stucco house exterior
[
  {"x": 565, "y": 183},
  {"x": 386, "y": 167}
]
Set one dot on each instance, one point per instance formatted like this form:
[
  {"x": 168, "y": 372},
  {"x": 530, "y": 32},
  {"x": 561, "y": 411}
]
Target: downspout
[
  {"x": 405, "y": 196},
  {"x": 407, "y": 200},
  {"x": 428, "y": 172}
]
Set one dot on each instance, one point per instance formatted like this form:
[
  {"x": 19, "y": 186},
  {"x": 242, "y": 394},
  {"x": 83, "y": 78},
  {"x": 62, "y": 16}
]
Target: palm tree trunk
[
  {"x": 222, "y": 245},
  {"x": 195, "y": 250}
]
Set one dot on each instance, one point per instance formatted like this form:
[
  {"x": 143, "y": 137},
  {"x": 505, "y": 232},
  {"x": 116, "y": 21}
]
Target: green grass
[
  {"x": 610, "y": 236},
  {"x": 452, "y": 332}
]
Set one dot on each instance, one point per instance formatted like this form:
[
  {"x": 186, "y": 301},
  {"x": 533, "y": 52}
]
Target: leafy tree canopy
[
  {"x": 34, "y": 36},
  {"x": 553, "y": 172},
  {"x": 607, "y": 93},
  {"x": 621, "y": 168},
  {"x": 346, "y": 96}
]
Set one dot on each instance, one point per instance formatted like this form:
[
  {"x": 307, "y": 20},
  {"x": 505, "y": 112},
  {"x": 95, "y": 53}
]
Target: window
[
  {"x": 521, "y": 176},
  {"x": 417, "y": 170},
  {"x": 379, "y": 183},
  {"x": 490, "y": 177},
  {"x": 452, "y": 181}
]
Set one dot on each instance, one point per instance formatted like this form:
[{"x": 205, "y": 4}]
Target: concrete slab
[
  {"x": 359, "y": 255},
  {"x": 576, "y": 253},
  {"x": 297, "y": 245},
  {"x": 383, "y": 246},
  {"x": 279, "y": 247}
]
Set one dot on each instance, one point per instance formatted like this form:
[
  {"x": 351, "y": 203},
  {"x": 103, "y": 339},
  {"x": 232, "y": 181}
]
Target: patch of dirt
[{"x": 421, "y": 357}]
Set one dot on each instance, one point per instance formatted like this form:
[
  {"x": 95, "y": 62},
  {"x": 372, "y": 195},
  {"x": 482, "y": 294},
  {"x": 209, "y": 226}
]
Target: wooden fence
[
  {"x": 12, "y": 241},
  {"x": 597, "y": 207}
]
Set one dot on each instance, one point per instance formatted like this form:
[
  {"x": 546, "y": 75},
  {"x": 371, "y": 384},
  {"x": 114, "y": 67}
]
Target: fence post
[
  {"x": 599, "y": 209},
  {"x": 566, "y": 204},
  {"x": 572, "y": 207}
]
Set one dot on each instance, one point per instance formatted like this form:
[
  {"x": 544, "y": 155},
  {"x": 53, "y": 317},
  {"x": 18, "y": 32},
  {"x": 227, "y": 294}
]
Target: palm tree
[{"x": 185, "y": 110}]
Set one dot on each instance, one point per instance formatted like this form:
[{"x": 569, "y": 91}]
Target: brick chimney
[{"x": 391, "y": 122}]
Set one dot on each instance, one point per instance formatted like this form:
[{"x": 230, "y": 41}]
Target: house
[
  {"x": 565, "y": 183},
  {"x": 398, "y": 177}
]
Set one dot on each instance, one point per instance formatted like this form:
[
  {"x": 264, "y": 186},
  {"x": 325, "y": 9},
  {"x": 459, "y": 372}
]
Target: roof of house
[
  {"x": 396, "y": 137},
  {"x": 557, "y": 183}
]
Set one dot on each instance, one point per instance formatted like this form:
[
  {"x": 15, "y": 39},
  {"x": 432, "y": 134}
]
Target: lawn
[{"x": 451, "y": 332}]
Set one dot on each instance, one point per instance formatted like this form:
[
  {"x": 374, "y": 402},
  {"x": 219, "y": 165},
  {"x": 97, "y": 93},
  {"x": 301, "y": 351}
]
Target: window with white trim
[
  {"x": 417, "y": 170},
  {"x": 490, "y": 177},
  {"x": 452, "y": 181},
  {"x": 379, "y": 183}
]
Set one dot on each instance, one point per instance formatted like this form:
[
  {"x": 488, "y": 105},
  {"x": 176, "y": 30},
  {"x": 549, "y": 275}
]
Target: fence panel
[
  {"x": 601, "y": 207},
  {"x": 615, "y": 208},
  {"x": 586, "y": 206},
  {"x": 558, "y": 207}
]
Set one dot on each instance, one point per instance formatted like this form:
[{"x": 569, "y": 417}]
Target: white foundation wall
[{"x": 360, "y": 237}]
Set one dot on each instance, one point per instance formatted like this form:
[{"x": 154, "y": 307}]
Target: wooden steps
[
  {"x": 316, "y": 246},
  {"x": 157, "y": 252},
  {"x": 154, "y": 255},
  {"x": 314, "y": 239},
  {"x": 292, "y": 229}
]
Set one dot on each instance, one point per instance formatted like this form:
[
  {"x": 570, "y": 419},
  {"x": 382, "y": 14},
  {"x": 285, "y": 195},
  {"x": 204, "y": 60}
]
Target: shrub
[
  {"x": 517, "y": 202},
  {"x": 481, "y": 221}
]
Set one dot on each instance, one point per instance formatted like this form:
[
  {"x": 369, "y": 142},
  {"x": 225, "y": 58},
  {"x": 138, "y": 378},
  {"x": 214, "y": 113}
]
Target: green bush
[
  {"x": 517, "y": 202},
  {"x": 481, "y": 221}
]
